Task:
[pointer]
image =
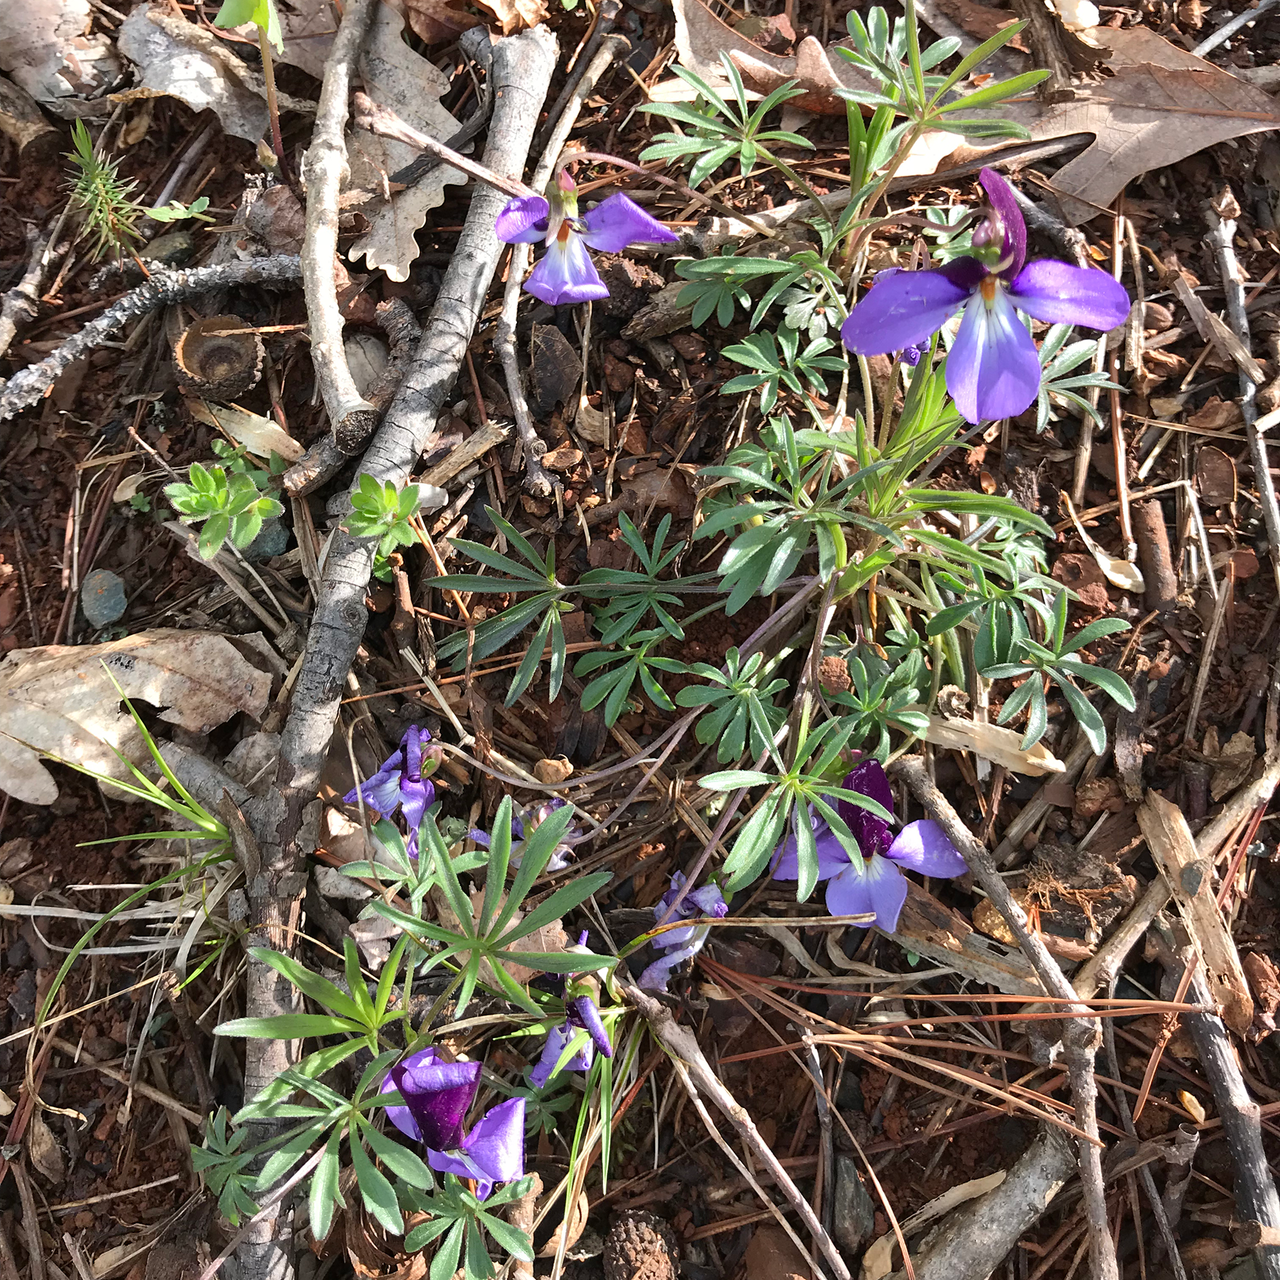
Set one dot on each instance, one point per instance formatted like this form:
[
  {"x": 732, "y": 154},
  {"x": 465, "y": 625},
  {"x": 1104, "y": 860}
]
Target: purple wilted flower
[
  {"x": 400, "y": 781},
  {"x": 580, "y": 1014},
  {"x": 523, "y": 825},
  {"x": 874, "y": 882},
  {"x": 566, "y": 272},
  {"x": 682, "y": 944},
  {"x": 437, "y": 1096},
  {"x": 993, "y": 370}
]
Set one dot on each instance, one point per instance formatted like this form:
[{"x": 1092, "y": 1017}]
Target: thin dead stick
[
  {"x": 384, "y": 122},
  {"x": 1255, "y": 1188},
  {"x": 21, "y": 302},
  {"x": 522, "y": 67},
  {"x": 352, "y": 418},
  {"x": 693, "y": 1068},
  {"x": 1080, "y": 1034},
  {"x": 28, "y": 385},
  {"x": 30, "y": 1220},
  {"x": 1206, "y": 666},
  {"x": 537, "y": 481},
  {"x": 1221, "y": 238},
  {"x": 1148, "y": 1180}
]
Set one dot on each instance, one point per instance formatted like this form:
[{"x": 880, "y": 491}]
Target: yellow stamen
[{"x": 988, "y": 289}]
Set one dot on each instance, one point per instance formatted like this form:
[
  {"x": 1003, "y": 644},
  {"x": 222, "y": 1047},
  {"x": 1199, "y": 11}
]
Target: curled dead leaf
[{"x": 995, "y": 743}]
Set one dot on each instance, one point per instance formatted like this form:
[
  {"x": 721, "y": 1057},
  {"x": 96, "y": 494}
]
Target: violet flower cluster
[
  {"x": 566, "y": 272},
  {"x": 993, "y": 369},
  {"x": 437, "y": 1096},
  {"x": 684, "y": 943},
  {"x": 580, "y": 1014},
  {"x": 872, "y": 884},
  {"x": 524, "y": 824},
  {"x": 402, "y": 783}
]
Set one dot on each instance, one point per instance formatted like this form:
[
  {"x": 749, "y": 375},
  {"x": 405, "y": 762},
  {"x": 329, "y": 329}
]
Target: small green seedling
[
  {"x": 264, "y": 15},
  {"x": 384, "y": 512},
  {"x": 228, "y": 505}
]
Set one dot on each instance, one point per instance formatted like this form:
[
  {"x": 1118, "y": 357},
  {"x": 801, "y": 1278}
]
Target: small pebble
[
  {"x": 272, "y": 540},
  {"x": 102, "y": 598}
]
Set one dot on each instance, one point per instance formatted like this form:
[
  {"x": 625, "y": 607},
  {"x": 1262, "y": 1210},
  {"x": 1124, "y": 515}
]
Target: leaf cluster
[{"x": 227, "y": 504}]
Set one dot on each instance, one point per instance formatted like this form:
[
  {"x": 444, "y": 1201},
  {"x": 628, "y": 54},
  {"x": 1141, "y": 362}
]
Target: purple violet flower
[
  {"x": 873, "y": 883},
  {"x": 580, "y": 1014},
  {"x": 437, "y": 1096},
  {"x": 523, "y": 825},
  {"x": 566, "y": 272},
  {"x": 682, "y": 944},
  {"x": 993, "y": 370},
  {"x": 400, "y": 782}
]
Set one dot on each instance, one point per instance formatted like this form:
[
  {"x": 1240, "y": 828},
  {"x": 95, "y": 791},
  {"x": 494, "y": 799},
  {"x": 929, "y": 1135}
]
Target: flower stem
[{"x": 273, "y": 107}]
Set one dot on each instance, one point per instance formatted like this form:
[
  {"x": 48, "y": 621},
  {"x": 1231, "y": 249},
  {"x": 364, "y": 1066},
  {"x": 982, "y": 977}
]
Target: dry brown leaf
[
  {"x": 59, "y": 700},
  {"x": 435, "y": 21},
  {"x": 46, "y": 48},
  {"x": 666, "y": 488},
  {"x": 260, "y": 436},
  {"x": 1190, "y": 878},
  {"x": 1160, "y": 105},
  {"x": 44, "y": 1151},
  {"x": 307, "y": 28},
  {"x": 701, "y": 38},
  {"x": 995, "y": 743},
  {"x": 409, "y": 85},
  {"x": 515, "y": 15}
]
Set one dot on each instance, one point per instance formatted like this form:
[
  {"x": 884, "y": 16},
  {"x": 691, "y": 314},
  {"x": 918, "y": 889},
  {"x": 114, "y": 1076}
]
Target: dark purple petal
[
  {"x": 524, "y": 220},
  {"x": 905, "y": 308},
  {"x": 583, "y": 1013},
  {"x": 871, "y": 833},
  {"x": 437, "y": 1094},
  {"x": 1058, "y": 293},
  {"x": 412, "y": 744},
  {"x": 993, "y": 370},
  {"x": 415, "y": 799},
  {"x": 911, "y": 355},
  {"x": 566, "y": 274},
  {"x": 923, "y": 846},
  {"x": 876, "y": 887},
  {"x": 1005, "y": 205},
  {"x": 618, "y": 222}
]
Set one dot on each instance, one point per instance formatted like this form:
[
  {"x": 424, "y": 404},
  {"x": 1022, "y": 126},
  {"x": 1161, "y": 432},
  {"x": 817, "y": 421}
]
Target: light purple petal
[
  {"x": 382, "y": 791},
  {"x": 877, "y": 887},
  {"x": 709, "y": 901},
  {"x": 496, "y": 1145},
  {"x": 923, "y": 846},
  {"x": 437, "y": 1095},
  {"x": 993, "y": 370},
  {"x": 479, "y": 837},
  {"x": 618, "y": 222},
  {"x": 557, "y": 1040},
  {"x": 1058, "y": 293},
  {"x": 656, "y": 976},
  {"x": 566, "y": 274},
  {"x": 524, "y": 220},
  {"x": 905, "y": 308},
  {"x": 872, "y": 833},
  {"x": 832, "y": 857},
  {"x": 583, "y": 1013},
  {"x": 1005, "y": 204}
]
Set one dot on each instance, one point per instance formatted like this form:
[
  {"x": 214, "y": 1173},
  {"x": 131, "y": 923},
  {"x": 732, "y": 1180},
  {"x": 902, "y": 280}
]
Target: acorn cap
[{"x": 220, "y": 357}]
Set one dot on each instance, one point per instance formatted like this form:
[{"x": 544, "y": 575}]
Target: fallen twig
[
  {"x": 1255, "y": 1188},
  {"x": 693, "y": 1068},
  {"x": 28, "y": 385},
  {"x": 352, "y": 418},
  {"x": 522, "y": 67},
  {"x": 19, "y": 304},
  {"x": 1080, "y": 1032},
  {"x": 1221, "y": 238}
]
